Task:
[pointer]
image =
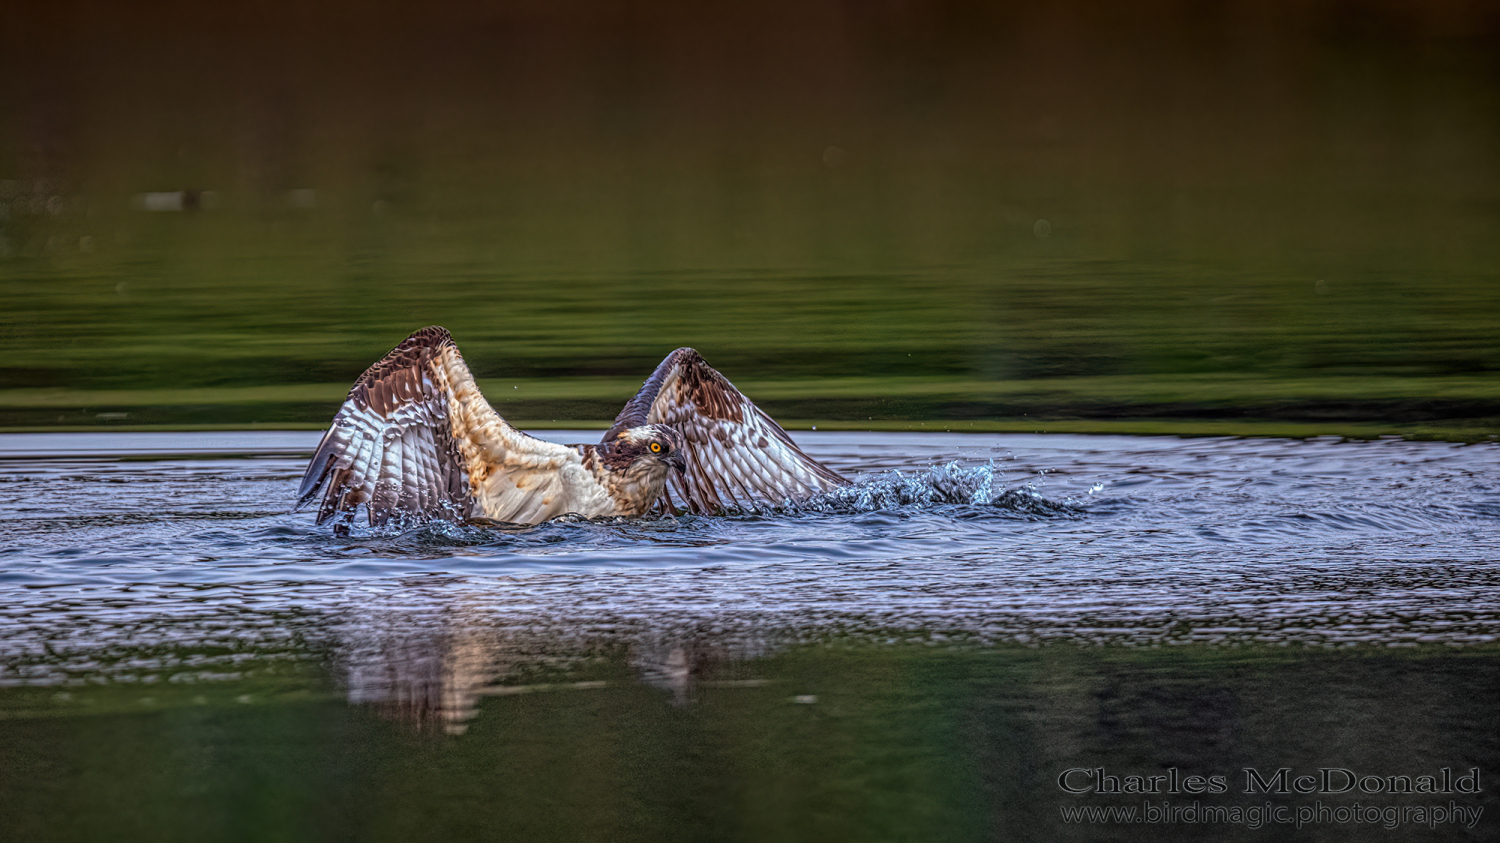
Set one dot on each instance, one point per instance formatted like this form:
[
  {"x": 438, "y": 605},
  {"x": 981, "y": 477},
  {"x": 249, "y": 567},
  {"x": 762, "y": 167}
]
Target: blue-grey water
[
  {"x": 142, "y": 539},
  {"x": 917, "y": 657}
]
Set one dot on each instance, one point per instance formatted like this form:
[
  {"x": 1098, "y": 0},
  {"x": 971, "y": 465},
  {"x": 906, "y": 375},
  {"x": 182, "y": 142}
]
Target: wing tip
[
  {"x": 316, "y": 473},
  {"x": 430, "y": 335}
]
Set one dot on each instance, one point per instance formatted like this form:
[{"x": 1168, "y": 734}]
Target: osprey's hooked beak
[{"x": 676, "y": 461}]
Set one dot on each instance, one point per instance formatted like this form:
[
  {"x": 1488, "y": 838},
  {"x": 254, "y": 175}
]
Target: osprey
[{"x": 416, "y": 440}]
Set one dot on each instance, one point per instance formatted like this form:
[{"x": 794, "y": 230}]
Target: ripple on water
[{"x": 980, "y": 540}]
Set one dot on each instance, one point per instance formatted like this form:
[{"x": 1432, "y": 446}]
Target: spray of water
[{"x": 951, "y": 484}]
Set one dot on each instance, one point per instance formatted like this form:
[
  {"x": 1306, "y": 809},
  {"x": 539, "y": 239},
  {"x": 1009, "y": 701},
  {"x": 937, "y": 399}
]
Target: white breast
[
  {"x": 584, "y": 493},
  {"x": 522, "y": 494}
]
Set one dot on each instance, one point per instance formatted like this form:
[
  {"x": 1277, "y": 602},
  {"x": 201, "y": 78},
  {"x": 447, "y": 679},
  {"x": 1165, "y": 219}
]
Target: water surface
[{"x": 1115, "y": 597}]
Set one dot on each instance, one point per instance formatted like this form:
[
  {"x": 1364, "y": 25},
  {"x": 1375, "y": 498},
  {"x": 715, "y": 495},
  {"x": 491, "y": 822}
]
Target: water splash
[{"x": 950, "y": 484}]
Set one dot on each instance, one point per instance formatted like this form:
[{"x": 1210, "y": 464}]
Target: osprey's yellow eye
[{"x": 655, "y": 447}]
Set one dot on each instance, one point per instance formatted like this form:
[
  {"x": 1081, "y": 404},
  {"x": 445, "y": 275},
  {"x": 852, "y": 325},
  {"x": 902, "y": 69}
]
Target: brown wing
[
  {"x": 737, "y": 457},
  {"x": 416, "y": 439}
]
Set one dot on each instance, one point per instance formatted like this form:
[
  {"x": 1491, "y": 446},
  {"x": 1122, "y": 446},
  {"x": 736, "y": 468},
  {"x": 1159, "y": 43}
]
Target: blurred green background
[{"x": 1278, "y": 217}]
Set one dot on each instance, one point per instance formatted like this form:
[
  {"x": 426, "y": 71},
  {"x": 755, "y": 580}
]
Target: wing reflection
[{"x": 432, "y": 665}]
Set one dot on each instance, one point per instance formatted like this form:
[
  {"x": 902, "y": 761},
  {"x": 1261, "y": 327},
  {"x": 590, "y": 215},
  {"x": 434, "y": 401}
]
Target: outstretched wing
[
  {"x": 737, "y": 456},
  {"x": 416, "y": 440}
]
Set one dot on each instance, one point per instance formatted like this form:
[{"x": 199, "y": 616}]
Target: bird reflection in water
[{"x": 432, "y": 669}]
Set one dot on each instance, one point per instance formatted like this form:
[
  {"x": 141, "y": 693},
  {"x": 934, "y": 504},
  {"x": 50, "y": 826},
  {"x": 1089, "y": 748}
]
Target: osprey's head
[{"x": 650, "y": 446}]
